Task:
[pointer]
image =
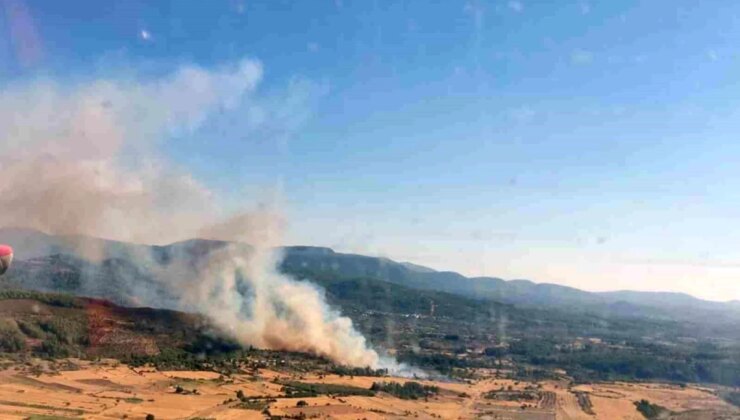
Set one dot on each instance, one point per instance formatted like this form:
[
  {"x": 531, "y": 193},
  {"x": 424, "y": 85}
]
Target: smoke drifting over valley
[{"x": 81, "y": 159}]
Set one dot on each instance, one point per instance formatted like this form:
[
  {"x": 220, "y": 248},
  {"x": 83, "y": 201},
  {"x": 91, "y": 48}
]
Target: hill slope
[
  {"x": 424, "y": 327},
  {"x": 54, "y": 325},
  {"x": 119, "y": 258}
]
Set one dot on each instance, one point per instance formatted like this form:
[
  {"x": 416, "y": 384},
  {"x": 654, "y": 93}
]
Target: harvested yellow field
[
  {"x": 614, "y": 400},
  {"x": 110, "y": 390}
]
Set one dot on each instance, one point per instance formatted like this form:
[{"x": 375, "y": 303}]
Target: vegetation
[
  {"x": 294, "y": 389},
  {"x": 539, "y": 340},
  {"x": 584, "y": 401},
  {"x": 513, "y": 395},
  {"x": 42, "y": 407},
  {"x": 463, "y": 333},
  {"x": 634, "y": 360},
  {"x": 368, "y": 294},
  {"x": 67, "y": 330},
  {"x": 58, "y": 336},
  {"x": 356, "y": 371},
  {"x": 732, "y": 397},
  {"x": 11, "y": 338},
  {"x": 179, "y": 359},
  {"x": 649, "y": 410},
  {"x": 438, "y": 332},
  {"x": 31, "y": 329},
  {"x": 53, "y": 299},
  {"x": 439, "y": 362},
  {"x": 407, "y": 391},
  {"x": 254, "y": 404}
]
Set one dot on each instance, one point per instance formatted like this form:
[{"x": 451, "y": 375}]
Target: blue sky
[{"x": 592, "y": 144}]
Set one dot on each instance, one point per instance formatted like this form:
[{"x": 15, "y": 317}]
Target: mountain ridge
[{"x": 30, "y": 243}]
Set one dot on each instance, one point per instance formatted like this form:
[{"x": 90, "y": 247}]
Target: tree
[
  {"x": 150, "y": 417},
  {"x": 649, "y": 410},
  {"x": 496, "y": 352}
]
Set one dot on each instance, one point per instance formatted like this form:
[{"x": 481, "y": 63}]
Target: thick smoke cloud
[
  {"x": 246, "y": 295},
  {"x": 81, "y": 159}
]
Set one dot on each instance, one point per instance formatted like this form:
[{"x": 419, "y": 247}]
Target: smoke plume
[
  {"x": 247, "y": 296},
  {"x": 81, "y": 158}
]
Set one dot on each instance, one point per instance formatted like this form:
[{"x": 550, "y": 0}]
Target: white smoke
[
  {"x": 81, "y": 159},
  {"x": 244, "y": 294}
]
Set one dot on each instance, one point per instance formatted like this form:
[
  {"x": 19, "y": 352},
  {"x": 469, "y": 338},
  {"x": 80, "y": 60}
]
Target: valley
[
  {"x": 78, "y": 341},
  {"x": 108, "y": 389}
]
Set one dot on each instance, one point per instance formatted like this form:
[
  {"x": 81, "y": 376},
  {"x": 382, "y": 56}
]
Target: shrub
[
  {"x": 649, "y": 410},
  {"x": 52, "y": 348},
  {"x": 407, "y": 391},
  {"x": 30, "y": 329},
  {"x": 294, "y": 389},
  {"x": 11, "y": 338},
  {"x": 53, "y": 299},
  {"x": 67, "y": 330}
]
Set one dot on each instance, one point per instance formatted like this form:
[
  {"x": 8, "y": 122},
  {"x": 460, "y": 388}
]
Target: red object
[
  {"x": 6, "y": 257},
  {"x": 5, "y": 250}
]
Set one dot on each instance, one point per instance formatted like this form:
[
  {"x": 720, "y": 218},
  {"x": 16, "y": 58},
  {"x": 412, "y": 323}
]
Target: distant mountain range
[
  {"x": 39, "y": 254},
  {"x": 519, "y": 292}
]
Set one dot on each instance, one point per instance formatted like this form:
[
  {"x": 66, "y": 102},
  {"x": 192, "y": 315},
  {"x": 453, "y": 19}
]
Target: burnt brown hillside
[{"x": 59, "y": 325}]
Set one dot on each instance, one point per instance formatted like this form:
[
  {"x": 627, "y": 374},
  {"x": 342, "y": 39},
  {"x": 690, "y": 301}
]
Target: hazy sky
[{"x": 593, "y": 144}]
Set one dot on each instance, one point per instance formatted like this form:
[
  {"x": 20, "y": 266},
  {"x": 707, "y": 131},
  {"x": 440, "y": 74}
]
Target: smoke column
[
  {"x": 80, "y": 158},
  {"x": 244, "y": 294}
]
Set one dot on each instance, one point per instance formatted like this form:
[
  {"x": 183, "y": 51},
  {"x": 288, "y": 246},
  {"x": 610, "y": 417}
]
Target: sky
[{"x": 590, "y": 144}]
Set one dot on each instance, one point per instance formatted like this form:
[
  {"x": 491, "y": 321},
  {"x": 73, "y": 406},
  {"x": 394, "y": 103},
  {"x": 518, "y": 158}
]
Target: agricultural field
[{"x": 108, "y": 389}]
